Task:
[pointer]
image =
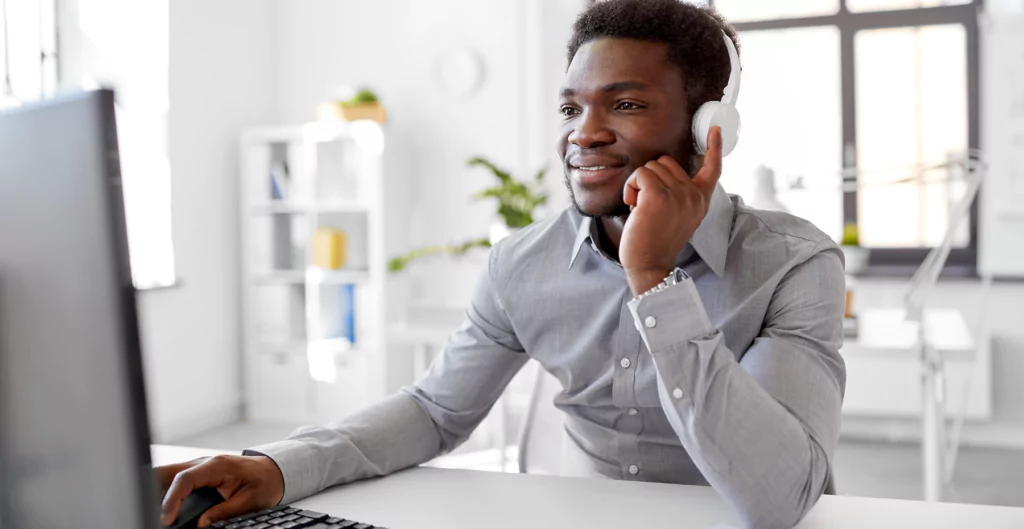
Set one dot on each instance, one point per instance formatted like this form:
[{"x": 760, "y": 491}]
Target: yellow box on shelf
[{"x": 330, "y": 248}]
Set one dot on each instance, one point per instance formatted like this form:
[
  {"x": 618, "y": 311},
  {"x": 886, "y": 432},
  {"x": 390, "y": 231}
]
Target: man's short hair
[{"x": 692, "y": 35}]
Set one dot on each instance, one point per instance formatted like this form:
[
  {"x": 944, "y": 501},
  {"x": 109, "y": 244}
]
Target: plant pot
[
  {"x": 336, "y": 111},
  {"x": 856, "y": 258}
]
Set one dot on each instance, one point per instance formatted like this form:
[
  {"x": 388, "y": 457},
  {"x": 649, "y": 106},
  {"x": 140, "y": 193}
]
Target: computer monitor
[{"x": 74, "y": 438}]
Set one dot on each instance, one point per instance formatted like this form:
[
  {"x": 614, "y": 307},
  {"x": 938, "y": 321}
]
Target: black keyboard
[{"x": 284, "y": 517}]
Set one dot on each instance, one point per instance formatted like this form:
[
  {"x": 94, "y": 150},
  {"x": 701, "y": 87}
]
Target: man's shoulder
[
  {"x": 796, "y": 234},
  {"x": 537, "y": 246}
]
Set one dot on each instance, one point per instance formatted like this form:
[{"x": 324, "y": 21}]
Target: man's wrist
[{"x": 641, "y": 281}]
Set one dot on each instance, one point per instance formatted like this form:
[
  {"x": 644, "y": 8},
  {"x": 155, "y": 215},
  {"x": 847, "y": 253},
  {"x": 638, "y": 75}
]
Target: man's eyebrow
[{"x": 620, "y": 86}]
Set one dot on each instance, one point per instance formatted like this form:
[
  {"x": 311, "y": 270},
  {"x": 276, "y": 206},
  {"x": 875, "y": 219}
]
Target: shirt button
[
  {"x": 633, "y": 469},
  {"x": 632, "y": 411},
  {"x": 677, "y": 393},
  {"x": 624, "y": 363},
  {"x": 650, "y": 322}
]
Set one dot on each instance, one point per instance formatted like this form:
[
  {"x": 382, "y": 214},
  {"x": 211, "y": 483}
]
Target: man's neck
[{"x": 610, "y": 233}]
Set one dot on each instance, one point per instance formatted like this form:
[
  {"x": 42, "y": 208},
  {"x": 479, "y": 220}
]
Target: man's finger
[
  {"x": 641, "y": 179},
  {"x": 673, "y": 166},
  {"x": 707, "y": 178},
  {"x": 631, "y": 191},
  {"x": 166, "y": 473},
  {"x": 662, "y": 172},
  {"x": 181, "y": 486},
  {"x": 237, "y": 505},
  {"x": 206, "y": 474}
]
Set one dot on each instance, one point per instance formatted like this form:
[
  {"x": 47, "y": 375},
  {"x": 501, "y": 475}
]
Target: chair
[{"x": 542, "y": 430}]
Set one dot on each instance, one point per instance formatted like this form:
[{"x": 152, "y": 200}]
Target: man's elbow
[{"x": 783, "y": 512}]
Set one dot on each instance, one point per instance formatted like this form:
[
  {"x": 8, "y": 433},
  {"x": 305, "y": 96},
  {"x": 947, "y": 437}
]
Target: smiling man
[{"x": 696, "y": 339}]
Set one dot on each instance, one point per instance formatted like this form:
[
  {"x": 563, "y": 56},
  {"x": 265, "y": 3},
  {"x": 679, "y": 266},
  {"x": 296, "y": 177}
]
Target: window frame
[{"x": 896, "y": 262}]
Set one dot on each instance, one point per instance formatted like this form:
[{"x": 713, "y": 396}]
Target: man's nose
[{"x": 591, "y": 131}]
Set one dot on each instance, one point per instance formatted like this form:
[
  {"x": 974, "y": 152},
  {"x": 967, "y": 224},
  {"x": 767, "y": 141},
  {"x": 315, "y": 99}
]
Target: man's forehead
[{"x": 609, "y": 60}]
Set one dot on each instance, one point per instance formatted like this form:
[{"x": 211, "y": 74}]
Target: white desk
[
  {"x": 431, "y": 498},
  {"x": 884, "y": 334}
]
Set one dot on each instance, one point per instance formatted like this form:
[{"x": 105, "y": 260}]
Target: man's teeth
[{"x": 595, "y": 167}]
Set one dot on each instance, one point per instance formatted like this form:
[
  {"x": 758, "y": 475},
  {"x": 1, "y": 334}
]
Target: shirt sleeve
[
  {"x": 420, "y": 422},
  {"x": 763, "y": 430}
]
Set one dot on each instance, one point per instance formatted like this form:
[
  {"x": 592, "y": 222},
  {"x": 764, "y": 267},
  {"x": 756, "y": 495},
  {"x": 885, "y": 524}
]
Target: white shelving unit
[{"x": 299, "y": 365}]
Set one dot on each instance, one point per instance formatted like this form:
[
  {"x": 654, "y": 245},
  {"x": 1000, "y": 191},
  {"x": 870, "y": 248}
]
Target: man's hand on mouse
[
  {"x": 666, "y": 207},
  {"x": 248, "y": 484}
]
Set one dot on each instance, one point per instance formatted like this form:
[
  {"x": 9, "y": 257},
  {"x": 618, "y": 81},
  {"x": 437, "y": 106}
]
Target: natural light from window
[{"x": 132, "y": 58}]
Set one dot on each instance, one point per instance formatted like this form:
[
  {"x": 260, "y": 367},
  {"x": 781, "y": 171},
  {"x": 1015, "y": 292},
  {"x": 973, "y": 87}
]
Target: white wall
[
  {"x": 221, "y": 80},
  {"x": 393, "y": 46}
]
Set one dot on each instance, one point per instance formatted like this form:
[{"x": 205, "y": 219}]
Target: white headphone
[{"x": 721, "y": 113}]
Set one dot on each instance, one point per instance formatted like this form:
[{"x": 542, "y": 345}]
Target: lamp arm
[{"x": 924, "y": 279}]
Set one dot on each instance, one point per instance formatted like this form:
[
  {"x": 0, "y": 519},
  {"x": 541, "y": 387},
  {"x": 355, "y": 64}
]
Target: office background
[{"x": 463, "y": 78}]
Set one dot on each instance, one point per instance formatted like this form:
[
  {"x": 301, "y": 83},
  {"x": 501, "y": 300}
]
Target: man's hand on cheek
[{"x": 666, "y": 208}]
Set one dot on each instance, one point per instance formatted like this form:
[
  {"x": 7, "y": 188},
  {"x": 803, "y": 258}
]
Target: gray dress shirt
[{"x": 731, "y": 378}]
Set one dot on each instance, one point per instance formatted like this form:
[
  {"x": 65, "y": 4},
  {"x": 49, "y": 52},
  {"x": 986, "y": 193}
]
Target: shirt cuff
[
  {"x": 670, "y": 316},
  {"x": 295, "y": 460}
]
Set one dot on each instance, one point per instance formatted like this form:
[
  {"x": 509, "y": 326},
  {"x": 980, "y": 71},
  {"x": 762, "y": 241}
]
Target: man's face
[{"x": 623, "y": 104}]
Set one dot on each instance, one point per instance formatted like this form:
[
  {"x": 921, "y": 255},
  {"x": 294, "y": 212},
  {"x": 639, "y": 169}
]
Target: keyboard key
[
  {"x": 262, "y": 518},
  {"x": 234, "y": 526},
  {"x": 292, "y": 510},
  {"x": 221, "y": 524},
  {"x": 291, "y": 517},
  {"x": 313, "y": 515},
  {"x": 345, "y": 524},
  {"x": 261, "y": 526},
  {"x": 362, "y": 526},
  {"x": 319, "y": 526},
  {"x": 288, "y": 525},
  {"x": 303, "y": 520},
  {"x": 277, "y": 521},
  {"x": 332, "y": 520}
]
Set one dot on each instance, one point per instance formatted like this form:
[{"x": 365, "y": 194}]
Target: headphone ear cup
[{"x": 711, "y": 114}]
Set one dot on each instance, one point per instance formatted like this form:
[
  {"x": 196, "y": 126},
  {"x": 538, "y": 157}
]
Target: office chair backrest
[{"x": 542, "y": 431}]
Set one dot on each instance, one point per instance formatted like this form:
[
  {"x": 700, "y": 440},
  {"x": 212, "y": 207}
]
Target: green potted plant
[
  {"x": 517, "y": 203},
  {"x": 856, "y": 256}
]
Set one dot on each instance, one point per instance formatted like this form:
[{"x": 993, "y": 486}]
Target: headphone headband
[{"x": 732, "y": 90}]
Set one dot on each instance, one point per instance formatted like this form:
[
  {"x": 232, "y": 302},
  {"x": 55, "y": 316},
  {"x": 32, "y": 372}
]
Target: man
[{"x": 696, "y": 339}]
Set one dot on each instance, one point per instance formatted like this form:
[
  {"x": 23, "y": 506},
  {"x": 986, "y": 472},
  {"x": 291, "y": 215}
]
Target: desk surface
[
  {"x": 431, "y": 498},
  {"x": 886, "y": 333}
]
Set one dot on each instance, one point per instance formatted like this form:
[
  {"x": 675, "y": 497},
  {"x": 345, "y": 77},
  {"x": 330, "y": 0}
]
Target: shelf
[
  {"x": 284, "y": 207},
  {"x": 325, "y": 277}
]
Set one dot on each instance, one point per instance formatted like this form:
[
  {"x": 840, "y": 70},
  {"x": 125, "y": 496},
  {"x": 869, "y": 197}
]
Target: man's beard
[{"x": 619, "y": 208}]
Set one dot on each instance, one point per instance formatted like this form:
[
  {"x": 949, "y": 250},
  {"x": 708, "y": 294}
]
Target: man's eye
[
  {"x": 568, "y": 111},
  {"x": 626, "y": 105}
]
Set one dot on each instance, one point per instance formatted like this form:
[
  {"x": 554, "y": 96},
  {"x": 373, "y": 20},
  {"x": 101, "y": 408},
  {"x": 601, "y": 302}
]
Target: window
[
  {"x": 886, "y": 88},
  {"x": 28, "y": 60}
]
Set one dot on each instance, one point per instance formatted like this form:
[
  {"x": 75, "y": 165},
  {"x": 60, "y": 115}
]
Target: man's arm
[
  {"x": 420, "y": 422},
  {"x": 762, "y": 431}
]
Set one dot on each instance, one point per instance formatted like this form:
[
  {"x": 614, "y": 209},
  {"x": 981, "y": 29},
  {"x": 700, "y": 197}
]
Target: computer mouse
[{"x": 194, "y": 505}]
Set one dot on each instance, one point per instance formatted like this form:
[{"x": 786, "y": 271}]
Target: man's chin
[{"x": 605, "y": 210}]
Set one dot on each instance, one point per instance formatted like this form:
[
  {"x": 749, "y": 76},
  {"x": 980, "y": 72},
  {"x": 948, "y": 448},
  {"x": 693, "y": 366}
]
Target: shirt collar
[{"x": 710, "y": 241}]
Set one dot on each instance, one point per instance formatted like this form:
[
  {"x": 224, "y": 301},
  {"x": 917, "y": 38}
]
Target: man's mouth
[{"x": 595, "y": 175}]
